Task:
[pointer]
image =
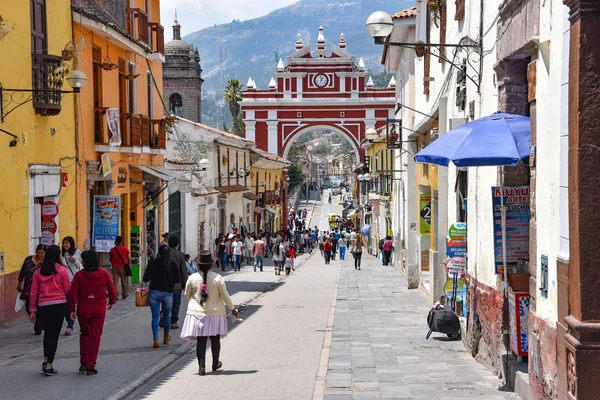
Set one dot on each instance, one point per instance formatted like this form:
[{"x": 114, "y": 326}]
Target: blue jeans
[
  {"x": 342, "y": 253},
  {"x": 223, "y": 260},
  {"x": 176, "y": 306},
  {"x": 259, "y": 260},
  {"x": 237, "y": 261},
  {"x": 157, "y": 300}
]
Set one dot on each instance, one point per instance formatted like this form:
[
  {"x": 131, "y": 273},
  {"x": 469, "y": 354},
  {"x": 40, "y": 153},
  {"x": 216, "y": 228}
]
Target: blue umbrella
[{"x": 496, "y": 140}]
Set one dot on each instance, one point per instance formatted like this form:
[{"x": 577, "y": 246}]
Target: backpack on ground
[{"x": 443, "y": 320}]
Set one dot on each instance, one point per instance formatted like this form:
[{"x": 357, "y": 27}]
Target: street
[{"x": 324, "y": 332}]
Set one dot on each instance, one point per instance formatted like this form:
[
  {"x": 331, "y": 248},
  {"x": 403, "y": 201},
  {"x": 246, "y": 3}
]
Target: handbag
[
  {"x": 142, "y": 297},
  {"x": 19, "y": 303},
  {"x": 125, "y": 265}
]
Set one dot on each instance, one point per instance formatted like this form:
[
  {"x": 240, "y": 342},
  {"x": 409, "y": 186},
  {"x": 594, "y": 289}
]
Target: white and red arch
[{"x": 315, "y": 91}]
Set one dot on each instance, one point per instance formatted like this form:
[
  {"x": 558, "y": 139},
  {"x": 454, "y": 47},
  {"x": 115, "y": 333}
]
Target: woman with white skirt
[{"x": 205, "y": 318}]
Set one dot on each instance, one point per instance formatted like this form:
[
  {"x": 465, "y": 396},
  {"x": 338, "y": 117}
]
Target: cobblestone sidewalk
[{"x": 379, "y": 350}]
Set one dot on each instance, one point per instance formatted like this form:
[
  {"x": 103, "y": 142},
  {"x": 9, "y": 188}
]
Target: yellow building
[
  {"x": 267, "y": 184},
  {"x": 37, "y": 136},
  {"x": 121, "y": 129},
  {"x": 376, "y": 193}
]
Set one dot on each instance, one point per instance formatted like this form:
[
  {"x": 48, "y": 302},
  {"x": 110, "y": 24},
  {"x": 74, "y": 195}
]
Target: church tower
[{"x": 182, "y": 78}]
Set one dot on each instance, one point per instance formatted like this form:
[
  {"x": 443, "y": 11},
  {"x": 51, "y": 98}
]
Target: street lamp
[
  {"x": 379, "y": 26},
  {"x": 371, "y": 134},
  {"x": 77, "y": 80},
  {"x": 203, "y": 164}
]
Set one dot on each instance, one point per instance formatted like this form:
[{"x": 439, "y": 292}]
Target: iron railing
[{"x": 46, "y": 84}]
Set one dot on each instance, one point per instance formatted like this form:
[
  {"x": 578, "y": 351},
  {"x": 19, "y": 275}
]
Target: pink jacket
[{"x": 49, "y": 290}]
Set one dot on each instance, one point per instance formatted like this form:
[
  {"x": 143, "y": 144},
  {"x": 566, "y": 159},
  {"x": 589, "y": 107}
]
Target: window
[
  {"x": 131, "y": 90},
  {"x": 176, "y": 104},
  {"x": 39, "y": 29},
  {"x": 97, "y": 95}
]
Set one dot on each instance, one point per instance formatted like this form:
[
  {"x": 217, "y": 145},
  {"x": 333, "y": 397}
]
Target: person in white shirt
[
  {"x": 71, "y": 259},
  {"x": 237, "y": 247},
  {"x": 248, "y": 246}
]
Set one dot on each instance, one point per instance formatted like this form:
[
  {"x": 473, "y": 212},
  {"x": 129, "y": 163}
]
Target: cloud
[{"x": 194, "y": 15}]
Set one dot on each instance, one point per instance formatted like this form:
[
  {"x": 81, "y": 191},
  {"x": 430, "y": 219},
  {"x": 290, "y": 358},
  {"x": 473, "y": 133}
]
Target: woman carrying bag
[
  {"x": 162, "y": 274},
  {"x": 205, "y": 318}
]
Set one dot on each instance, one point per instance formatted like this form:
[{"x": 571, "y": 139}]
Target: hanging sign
[
  {"x": 106, "y": 222},
  {"x": 460, "y": 287},
  {"x": 64, "y": 179},
  {"x": 425, "y": 214},
  {"x": 49, "y": 210},
  {"x": 457, "y": 230},
  {"x": 105, "y": 164},
  {"x": 114, "y": 125},
  {"x": 517, "y": 202}
]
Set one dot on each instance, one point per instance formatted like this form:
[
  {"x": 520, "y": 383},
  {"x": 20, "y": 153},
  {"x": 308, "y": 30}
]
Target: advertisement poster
[
  {"x": 517, "y": 202},
  {"x": 105, "y": 163},
  {"x": 456, "y": 249},
  {"x": 425, "y": 213},
  {"x": 106, "y": 222},
  {"x": 114, "y": 125},
  {"x": 48, "y": 223}
]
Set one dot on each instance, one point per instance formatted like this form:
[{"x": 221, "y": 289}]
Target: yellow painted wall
[
  {"x": 427, "y": 175},
  {"x": 37, "y": 144}
]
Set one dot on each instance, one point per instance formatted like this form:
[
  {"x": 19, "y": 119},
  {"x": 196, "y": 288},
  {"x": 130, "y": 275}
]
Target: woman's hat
[{"x": 205, "y": 258}]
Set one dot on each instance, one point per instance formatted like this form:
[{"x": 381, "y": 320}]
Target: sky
[{"x": 194, "y": 15}]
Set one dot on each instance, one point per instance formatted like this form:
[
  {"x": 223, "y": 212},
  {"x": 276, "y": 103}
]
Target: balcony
[
  {"x": 137, "y": 24},
  {"x": 136, "y": 130},
  {"x": 46, "y": 84},
  {"x": 157, "y": 36}
]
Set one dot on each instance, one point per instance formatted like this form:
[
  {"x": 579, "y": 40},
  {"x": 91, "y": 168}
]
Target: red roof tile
[
  {"x": 409, "y": 12},
  {"x": 250, "y": 196}
]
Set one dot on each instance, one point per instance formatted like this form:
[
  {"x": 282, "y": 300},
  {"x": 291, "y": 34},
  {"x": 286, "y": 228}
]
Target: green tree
[
  {"x": 233, "y": 95},
  {"x": 296, "y": 176}
]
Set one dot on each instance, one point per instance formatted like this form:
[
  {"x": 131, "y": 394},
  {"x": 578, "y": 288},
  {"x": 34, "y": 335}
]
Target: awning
[
  {"x": 231, "y": 188},
  {"x": 161, "y": 173},
  {"x": 352, "y": 213},
  {"x": 250, "y": 196},
  {"x": 258, "y": 210},
  {"x": 272, "y": 211}
]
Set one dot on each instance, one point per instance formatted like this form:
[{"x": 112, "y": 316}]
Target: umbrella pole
[{"x": 503, "y": 222}]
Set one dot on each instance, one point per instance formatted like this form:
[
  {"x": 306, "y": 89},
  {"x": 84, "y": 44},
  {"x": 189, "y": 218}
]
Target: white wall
[{"x": 552, "y": 137}]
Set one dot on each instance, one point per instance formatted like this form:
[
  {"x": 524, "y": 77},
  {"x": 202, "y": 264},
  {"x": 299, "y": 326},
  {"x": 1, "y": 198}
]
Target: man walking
[
  {"x": 119, "y": 256},
  {"x": 259, "y": 253},
  {"x": 237, "y": 253},
  {"x": 178, "y": 258},
  {"x": 249, "y": 247},
  {"x": 388, "y": 247}
]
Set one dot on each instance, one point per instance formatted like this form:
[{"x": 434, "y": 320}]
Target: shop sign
[
  {"x": 106, "y": 222},
  {"x": 425, "y": 214},
  {"x": 114, "y": 125},
  {"x": 105, "y": 164},
  {"x": 517, "y": 202},
  {"x": 456, "y": 265},
  {"x": 64, "y": 178},
  {"x": 457, "y": 230},
  {"x": 460, "y": 287},
  {"x": 49, "y": 210}
]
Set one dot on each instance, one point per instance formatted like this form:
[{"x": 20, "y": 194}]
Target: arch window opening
[{"x": 176, "y": 104}]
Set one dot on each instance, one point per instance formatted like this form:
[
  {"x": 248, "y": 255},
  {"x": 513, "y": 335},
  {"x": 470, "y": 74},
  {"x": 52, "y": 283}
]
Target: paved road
[
  {"x": 275, "y": 352},
  {"x": 324, "y": 332}
]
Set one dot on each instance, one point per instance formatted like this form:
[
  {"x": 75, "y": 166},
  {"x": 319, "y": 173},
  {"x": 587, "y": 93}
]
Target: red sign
[
  {"x": 49, "y": 225},
  {"x": 49, "y": 210},
  {"x": 64, "y": 178}
]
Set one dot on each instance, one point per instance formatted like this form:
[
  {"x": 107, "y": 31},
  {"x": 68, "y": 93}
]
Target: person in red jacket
[{"x": 88, "y": 293}]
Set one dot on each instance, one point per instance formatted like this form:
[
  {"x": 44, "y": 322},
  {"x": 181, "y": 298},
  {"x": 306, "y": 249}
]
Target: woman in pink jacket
[{"x": 49, "y": 291}]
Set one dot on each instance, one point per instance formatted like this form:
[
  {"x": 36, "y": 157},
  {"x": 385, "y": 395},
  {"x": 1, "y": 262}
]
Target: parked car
[{"x": 336, "y": 191}]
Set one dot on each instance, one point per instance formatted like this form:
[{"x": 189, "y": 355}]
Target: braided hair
[{"x": 204, "y": 268}]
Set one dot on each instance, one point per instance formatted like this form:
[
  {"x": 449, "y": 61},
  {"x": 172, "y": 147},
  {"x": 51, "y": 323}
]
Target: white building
[{"x": 215, "y": 202}]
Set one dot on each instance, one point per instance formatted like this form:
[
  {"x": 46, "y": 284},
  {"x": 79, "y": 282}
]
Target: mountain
[{"x": 253, "y": 47}]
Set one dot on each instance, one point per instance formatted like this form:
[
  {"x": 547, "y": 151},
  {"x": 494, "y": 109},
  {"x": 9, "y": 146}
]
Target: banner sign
[
  {"x": 114, "y": 125},
  {"x": 105, "y": 164},
  {"x": 48, "y": 223},
  {"x": 106, "y": 222},
  {"x": 425, "y": 213},
  {"x": 517, "y": 203},
  {"x": 456, "y": 250}
]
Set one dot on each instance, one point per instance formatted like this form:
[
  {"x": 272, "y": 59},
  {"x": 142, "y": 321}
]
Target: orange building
[{"x": 120, "y": 124}]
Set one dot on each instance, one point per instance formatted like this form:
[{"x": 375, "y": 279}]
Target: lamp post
[{"x": 380, "y": 25}]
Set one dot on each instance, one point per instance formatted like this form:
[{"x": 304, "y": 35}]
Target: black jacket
[{"x": 161, "y": 279}]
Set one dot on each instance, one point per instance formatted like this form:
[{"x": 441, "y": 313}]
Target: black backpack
[{"x": 381, "y": 244}]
